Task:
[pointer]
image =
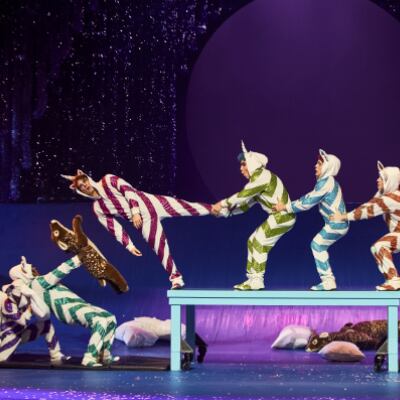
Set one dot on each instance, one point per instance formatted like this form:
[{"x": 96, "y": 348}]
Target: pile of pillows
[
  {"x": 297, "y": 336},
  {"x": 145, "y": 331}
]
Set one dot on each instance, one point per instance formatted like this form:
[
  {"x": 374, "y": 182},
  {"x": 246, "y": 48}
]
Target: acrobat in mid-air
[
  {"x": 266, "y": 189},
  {"x": 114, "y": 197},
  {"x": 328, "y": 195},
  {"x": 387, "y": 203}
]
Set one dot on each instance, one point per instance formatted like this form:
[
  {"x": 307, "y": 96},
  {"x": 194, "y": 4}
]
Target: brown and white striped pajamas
[{"x": 383, "y": 249}]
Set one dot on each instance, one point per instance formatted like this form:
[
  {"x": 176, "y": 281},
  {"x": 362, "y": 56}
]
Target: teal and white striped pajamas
[{"x": 71, "y": 309}]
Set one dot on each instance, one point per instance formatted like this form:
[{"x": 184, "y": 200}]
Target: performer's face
[
  {"x": 244, "y": 170},
  {"x": 318, "y": 168},
  {"x": 379, "y": 184},
  {"x": 85, "y": 187}
]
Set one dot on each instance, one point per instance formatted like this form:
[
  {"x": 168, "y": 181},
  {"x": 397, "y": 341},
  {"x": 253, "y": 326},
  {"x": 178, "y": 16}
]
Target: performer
[
  {"x": 114, "y": 197},
  {"x": 328, "y": 195},
  {"x": 267, "y": 189},
  {"x": 387, "y": 203},
  {"x": 19, "y": 304},
  {"x": 71, "y": 309}
]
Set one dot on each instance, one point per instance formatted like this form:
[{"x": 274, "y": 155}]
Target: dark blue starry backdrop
[{"x": 99, "y": 85}]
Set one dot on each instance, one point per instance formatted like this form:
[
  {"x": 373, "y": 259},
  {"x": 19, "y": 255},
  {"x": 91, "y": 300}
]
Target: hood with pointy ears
[
  {"x": 330, "y": 164},
  {"x": 390, "y": 177},
  {"x": 22, "y": 271},
  {"x": 73, "y": 179},
  {"x": 254, "y": 160}
]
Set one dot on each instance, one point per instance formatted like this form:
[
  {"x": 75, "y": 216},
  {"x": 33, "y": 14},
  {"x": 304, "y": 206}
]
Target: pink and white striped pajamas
[{"x": 119, "y": 199}]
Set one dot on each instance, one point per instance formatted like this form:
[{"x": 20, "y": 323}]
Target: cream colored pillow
[{"x": 341, "y": 351}]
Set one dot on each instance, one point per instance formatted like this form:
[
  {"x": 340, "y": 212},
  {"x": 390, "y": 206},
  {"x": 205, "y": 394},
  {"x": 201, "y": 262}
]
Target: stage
[{"x": 232, "y": 370}]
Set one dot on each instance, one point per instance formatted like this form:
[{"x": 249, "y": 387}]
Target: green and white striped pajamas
[
  {"x": 267, "y": 189},
  {"x": 71, "y": 309}
]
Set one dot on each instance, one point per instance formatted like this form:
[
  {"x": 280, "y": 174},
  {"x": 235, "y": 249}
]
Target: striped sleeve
[
  {"x": 126, "y": 190},
  {"x": 312, "y": 198},
  {"x": 378, "y": 205},
  {"x": 256, "y": 185},
  {"x": 56, "y": 275},
  {"x": 113, "y": 226},
  {"x": 243, "y": 207}
]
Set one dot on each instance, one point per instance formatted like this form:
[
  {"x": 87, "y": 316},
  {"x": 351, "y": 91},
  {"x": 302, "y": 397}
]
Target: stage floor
[{"x": 235, "y": 370}]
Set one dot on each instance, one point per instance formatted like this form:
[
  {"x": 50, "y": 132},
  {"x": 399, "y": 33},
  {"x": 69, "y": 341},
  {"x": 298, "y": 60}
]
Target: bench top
[
  {"x": 286, "y": 294},
  {"x": 283, "y": 297}
]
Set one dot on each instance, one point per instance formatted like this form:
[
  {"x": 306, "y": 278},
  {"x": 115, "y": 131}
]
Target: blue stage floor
[{"x": 226, "y": 374}]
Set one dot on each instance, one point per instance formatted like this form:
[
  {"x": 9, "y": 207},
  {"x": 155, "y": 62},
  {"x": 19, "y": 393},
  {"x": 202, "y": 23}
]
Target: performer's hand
[
  {"x": 136, "y": 252},
  {"x": 278, "y": 207},
  {"x": 216, "y": 208},
  {"x": 137, "y": 221},
  {"x": 337, "y": 217}
]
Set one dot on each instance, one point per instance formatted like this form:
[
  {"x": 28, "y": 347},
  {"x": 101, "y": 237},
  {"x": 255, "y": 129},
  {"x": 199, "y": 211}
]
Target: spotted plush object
[
  {"x": 76, "y": 242},
  {"x": 367, "y": 335}
]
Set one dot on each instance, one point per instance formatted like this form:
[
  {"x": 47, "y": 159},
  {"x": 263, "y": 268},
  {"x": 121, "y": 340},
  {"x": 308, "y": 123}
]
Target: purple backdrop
[{"x": 289, "y": 77}]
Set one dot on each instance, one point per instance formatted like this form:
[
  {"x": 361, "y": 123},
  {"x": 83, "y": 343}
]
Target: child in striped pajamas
[
  {"x": 328, "y": 195},
  {"x": 19, "y": 304},
  {"x": 114, "y": 197},
  {"x": 71, "y": 309},
  {"x": 387, "y": 203},
  {"x": 267, "y": 189}
]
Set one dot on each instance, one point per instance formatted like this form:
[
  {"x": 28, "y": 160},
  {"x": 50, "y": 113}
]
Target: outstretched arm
[
  {"x": 378, "y": 205},
  {"x": 56, "y": 275},
  {"x": 246, "y": 195},
  {"x": 312, "y": 198},
  {"x": 115, "y": 228}
]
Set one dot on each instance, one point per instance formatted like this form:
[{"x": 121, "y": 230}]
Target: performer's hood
[
  {"x": 390, "y": 177},
  {"x": 254, "y": 160},
  {"x": 72, "y": 186},
  {"x": 22, "y": 272},
  {"x": 330, "y": 164}
]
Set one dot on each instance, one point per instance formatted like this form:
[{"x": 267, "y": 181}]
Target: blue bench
[{"x": 192, "y": 298}]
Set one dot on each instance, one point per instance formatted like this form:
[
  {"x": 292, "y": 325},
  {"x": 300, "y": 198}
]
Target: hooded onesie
[
  {"x": 18, "y": 305},
  {"x": 386, "y": 203},
  {"x": 328, "y": 195},
  {"x": 71, "y": 309},
  {"x": 117, "y": 198},
  {"x": 266, "y": 189}
]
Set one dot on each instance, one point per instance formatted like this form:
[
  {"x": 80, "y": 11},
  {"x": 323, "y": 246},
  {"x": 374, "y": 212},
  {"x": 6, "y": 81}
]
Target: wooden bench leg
[
  {"x": 393, "y": 345},
  {"x": 175, "y": 338}
]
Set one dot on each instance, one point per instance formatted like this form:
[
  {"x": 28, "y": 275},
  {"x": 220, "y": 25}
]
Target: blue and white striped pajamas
[{"x": 328, "y": 194}]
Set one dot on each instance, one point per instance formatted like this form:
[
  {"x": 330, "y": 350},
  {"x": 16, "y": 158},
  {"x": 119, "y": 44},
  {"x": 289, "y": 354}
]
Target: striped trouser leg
[
  {"x": 250, "y": 257},
  {"x": 329, "y": 234},
  {"x": 99, "y": 321},
  {"x": 10, "y": 340},
  {"x": 383, "y": 251},
  {"x": 167, "y": 206},
  {"x": 153, "y": 233},
  {"x": 110, "y": 333},
  {"x": 46, "y": 328},
  {"x": 264, "y": 239}
]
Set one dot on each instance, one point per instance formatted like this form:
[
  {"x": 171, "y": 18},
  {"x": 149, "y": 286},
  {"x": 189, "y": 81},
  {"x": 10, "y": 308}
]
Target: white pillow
[
  {"x": 134, "y": 336},
  {"x": 341, "y": 351},
  {"x": 292, "y": 337},
  {"x": 160, "y": 328}
]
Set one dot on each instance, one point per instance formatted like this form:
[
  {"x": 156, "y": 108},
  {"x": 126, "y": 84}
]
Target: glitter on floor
[{"x": 284, "y": 375}]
